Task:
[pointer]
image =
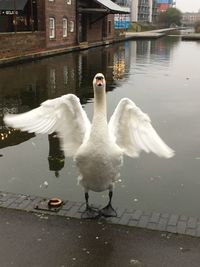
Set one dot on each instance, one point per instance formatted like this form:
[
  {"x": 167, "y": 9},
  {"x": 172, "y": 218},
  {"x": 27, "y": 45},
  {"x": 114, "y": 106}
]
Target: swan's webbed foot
[
  {"x": 90, "y": 213},
  {"x": 108, "y": 211}
]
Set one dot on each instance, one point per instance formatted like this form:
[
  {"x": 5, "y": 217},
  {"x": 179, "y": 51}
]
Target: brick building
[
  {"x": 60, "y": 23},
  {"x": 28, "y": 26},
  {"x": 190, "y": 18}
]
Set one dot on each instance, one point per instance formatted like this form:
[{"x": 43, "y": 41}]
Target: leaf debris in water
[{"x": 135, "y": 263}]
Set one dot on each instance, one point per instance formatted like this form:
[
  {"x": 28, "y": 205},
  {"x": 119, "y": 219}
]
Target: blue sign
[
  {"x": 122, "y": 21},
  {"x": 169, "y": 2}
]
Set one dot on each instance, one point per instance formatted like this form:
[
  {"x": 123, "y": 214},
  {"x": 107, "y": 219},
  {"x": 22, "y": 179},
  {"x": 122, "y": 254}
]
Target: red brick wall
[
  {"x": 13, "y": 44},
  {"x": 59, "y": 9},
  {"x": 95, "y": 30},
  {"x": 41, "y": 15},
  {"x": 112, "y": 34}
]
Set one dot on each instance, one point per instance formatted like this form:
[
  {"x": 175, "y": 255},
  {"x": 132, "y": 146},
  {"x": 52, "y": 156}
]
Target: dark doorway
[
  {"x": 18, "y": 17},
  {"x": 82, "y": 30}
]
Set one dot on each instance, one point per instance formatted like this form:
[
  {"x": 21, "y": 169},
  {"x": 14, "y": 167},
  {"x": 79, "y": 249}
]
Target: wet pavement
[
  {"x": 44, "y": 240},
  {"x": 165, "y": 222}
]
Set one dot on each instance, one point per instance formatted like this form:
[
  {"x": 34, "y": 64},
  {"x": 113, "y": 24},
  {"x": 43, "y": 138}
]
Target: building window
[
  {"x": 64, "y": 27},
  {"x": 69, "y": 2},
  {"x": 109, "y": 27},
  {"x": 71, "y": 26},
  {"x": 51, "y": 28}
]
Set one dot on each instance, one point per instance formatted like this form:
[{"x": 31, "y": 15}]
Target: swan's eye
[{"x": 99, "y": 78}]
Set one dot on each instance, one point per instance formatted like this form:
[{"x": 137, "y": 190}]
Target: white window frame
[
  {"x": 65, "y": 27},
  {"x": 52, "y": 30},
  {"x": 71, "y": 26}
]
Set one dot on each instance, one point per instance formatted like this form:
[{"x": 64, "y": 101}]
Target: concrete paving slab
[
  {"x": 43, "y": 240},
  {"x": 150, "y": 220}
]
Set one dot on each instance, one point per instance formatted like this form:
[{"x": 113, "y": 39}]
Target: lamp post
[
  {"x": 14, "y": 17},
  {"x": 31, "y": 18}
]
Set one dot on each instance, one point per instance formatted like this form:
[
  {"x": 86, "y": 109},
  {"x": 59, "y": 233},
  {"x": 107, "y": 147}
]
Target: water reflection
[
  {"x": 56, "y": 156},
  {"x": 151, "y": 52},
  {"x": 161, "y": 76},
  {"x": 9, "y": 104},
  {"x": 35, "y": 82},
  {"x": 12, "y": 137}
]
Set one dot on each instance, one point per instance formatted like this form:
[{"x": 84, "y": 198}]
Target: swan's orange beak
[{"x": 99, "y": 81}]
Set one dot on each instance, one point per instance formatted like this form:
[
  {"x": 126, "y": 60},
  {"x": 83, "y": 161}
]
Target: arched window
[
  {"x": 71, "y": 26},
  {"x": 52, "y": 32},
  {"x": 64, "y": 27}
]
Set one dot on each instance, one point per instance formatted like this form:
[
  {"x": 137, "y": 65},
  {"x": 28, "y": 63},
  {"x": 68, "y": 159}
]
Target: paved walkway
[
  {"x": 191, "y": 37},
  {"x": 154, "y": 34},
  {"x": 42, "y": 240},
  {"x": 171, "y": 223},
  {"x": 144, "y": 35}
]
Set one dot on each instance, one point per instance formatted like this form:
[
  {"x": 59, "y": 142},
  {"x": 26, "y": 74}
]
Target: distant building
[
  {"x": 163, "y": 5},
  {"x": 143, "y": 10},
  {"x": 190, "y": 18},
  {"x": 148, "y": 10}
]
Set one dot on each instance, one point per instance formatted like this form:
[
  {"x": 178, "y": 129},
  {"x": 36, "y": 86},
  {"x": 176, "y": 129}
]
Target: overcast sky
[{"x": 188, "y": 5}]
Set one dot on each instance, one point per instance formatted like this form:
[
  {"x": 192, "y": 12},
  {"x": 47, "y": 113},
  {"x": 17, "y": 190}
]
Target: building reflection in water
[
  {"x": 153, "y": 50},
  {"x": 10, "y": 136},
  {"x": 56, "y": 156},
  {"x": 119, "y": 66},
  {"x": 23, "y": 87}
]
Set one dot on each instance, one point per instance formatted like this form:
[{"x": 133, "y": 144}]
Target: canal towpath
[
  {"x": 43, "y": 240},
  {"x": 153, "y": 34},
  {"x": 35, "y": 236}
]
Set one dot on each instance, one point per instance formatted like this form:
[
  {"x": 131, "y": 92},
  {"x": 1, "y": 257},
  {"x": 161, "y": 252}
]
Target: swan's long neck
[
  {"x": 99, "y": 129},
  {"x": 100, "y": 110},
  {"x": 100, "y": 103}
]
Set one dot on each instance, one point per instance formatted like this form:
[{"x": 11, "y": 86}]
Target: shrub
[{"x": 197, "y": 27}]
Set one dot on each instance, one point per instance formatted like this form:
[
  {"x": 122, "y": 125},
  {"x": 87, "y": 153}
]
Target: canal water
[{"x": 160, "y": 76}]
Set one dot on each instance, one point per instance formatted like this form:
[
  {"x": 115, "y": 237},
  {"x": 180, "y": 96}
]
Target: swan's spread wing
[
  {"x": 63, "y": 115},
  {"x": 133, "y": 132}
]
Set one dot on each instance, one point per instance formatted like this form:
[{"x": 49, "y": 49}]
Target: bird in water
[{"x": 98, "y": 146}]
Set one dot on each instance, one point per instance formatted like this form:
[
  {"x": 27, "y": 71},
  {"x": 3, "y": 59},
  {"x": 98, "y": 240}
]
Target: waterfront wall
[{"x": 21, "y": 43}]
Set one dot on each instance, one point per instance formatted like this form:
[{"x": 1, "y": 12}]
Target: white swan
[{"x": 96, "y": 147}]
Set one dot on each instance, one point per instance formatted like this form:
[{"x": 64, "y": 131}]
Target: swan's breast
[{"x": 98, "y": 164}]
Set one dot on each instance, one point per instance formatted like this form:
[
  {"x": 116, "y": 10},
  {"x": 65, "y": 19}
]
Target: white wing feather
[
  {"x": 63, "y": 115},
  {"x": 133, "y": 132}
]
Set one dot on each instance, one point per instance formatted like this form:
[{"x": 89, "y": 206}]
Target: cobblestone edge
[{"x": 164, "y": 222}]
